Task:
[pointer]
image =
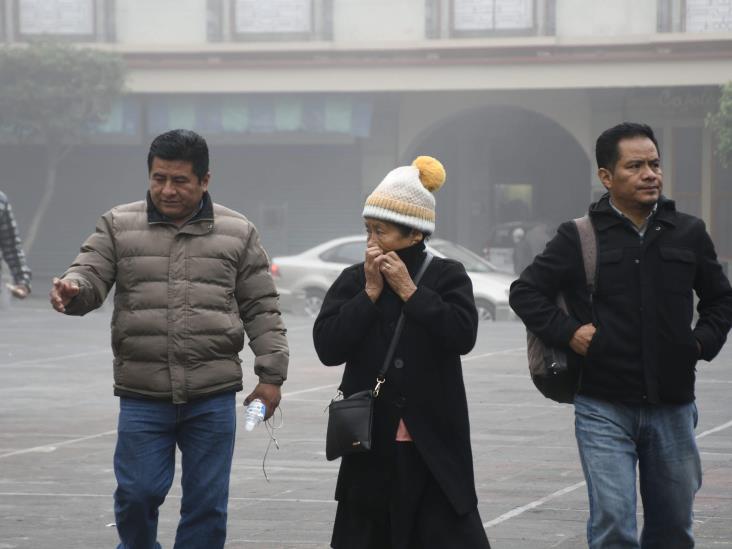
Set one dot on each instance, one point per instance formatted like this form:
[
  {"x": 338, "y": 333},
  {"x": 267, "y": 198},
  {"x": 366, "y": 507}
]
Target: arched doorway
[{"x": 504, "y": 165}]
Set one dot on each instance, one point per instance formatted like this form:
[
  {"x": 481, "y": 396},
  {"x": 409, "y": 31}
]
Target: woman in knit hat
[{"x": 415, "y": 487}]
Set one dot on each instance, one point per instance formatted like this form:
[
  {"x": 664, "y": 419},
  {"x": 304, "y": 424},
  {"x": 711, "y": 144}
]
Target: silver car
[{"x": 303, "y": 279}]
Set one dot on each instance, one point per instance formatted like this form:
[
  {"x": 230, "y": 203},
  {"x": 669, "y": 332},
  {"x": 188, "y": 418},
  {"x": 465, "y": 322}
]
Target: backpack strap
[{"x": 588, "y": 243}]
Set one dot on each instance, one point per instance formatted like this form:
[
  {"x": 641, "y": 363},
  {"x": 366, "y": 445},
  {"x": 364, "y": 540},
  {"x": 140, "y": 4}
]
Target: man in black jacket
[{"x": 633, "y": 341}]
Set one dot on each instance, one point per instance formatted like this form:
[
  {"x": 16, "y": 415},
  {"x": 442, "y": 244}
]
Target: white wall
[
  {"x": 606, "y": 17},
  {"x": 378, "y": 20},
  {"x": 161, "y": 21}
]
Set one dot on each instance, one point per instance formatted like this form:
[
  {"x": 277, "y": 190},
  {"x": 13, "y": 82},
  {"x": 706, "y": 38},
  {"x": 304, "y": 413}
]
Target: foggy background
[{"x": 307, "y": 104}]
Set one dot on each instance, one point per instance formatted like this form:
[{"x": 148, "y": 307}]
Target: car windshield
[{"x": 471, "y": 261}]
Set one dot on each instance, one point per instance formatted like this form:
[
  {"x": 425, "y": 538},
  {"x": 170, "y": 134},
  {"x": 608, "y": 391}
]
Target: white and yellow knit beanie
[{"x": 405, "y": 195}]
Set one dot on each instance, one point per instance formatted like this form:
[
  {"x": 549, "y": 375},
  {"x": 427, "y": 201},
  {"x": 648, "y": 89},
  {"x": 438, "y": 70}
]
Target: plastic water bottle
[{"x": 254, "y": 414}]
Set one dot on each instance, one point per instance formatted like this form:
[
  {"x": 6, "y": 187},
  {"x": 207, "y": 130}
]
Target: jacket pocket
[
  {"x": 677, "y": 370},
  {"x": 678, "y": 267},
  {"x": 118, "y": 371},
  {"x": 610, "y": 278}
]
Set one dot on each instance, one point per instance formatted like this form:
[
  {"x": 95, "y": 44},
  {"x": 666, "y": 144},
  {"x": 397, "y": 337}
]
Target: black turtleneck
[
  {"x": 413, "y": 256},
  {"x": 389, "y": 303}
]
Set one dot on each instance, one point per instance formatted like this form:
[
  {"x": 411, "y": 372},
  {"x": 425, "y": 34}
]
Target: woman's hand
[
  {"x": 374, "y": 280},
  {"x": 396, "y": 274}
]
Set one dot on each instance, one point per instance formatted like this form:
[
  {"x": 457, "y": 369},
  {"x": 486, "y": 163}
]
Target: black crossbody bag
[{"x": 350, "y": 419}]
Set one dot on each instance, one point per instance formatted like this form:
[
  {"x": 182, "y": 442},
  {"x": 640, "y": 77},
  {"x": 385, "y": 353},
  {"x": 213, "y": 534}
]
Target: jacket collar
[
  {"x": 604, "y": 216},
  {"x": 205, "y": 212},
  {"x": 413, "y": 256}
]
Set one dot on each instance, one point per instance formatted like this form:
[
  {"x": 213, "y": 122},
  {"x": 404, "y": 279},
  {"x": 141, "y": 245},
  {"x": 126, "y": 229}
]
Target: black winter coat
[
  {"x": 424, "y": 384},
  {"x": 644, "y": 349}
]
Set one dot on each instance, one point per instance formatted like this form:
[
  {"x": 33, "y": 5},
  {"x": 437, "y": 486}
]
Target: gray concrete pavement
[{"x": 57, "y": 436}]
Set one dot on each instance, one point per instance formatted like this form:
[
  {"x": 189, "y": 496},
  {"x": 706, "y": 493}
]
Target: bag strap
[
  {"x": 380, "y": 379},
  {"x": 588, "y": 243}
]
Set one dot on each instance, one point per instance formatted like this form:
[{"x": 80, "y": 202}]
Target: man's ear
[
  {"x": 417, "y": 236},
  {"x": 205, "y": 180},
  {"x": 606, "y": 178}
]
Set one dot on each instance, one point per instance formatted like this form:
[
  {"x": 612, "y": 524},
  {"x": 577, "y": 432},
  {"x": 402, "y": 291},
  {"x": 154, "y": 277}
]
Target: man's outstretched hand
[{"x": 62, "y": 292}]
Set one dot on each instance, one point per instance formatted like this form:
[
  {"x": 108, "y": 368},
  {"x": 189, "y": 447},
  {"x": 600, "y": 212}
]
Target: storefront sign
[
  {"x": 477, "y": 15},
  {"x": 57, "y": 17},
  {"x": 273, "y": 16},
  {"x": 708, "y": 15},
  {"x": 673, "y": 102}
]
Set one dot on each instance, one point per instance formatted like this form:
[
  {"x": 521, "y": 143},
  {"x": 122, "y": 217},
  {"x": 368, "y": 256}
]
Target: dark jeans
[
  {"x": 613, "y": 440},
  {"x": 144, "y": 464}
]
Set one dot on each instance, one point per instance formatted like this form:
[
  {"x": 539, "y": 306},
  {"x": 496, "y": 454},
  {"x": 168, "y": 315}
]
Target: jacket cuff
[
  {"x": 271, "y": 379},
  {"x": 272, "y": 367},
  {"x": 708, "y": 343},
  {"x": 567, "y": 330},
  {"x": 418, "y": 300},
  {"x": 78, "y": 306},
  {"x": 364, "y": 308}
]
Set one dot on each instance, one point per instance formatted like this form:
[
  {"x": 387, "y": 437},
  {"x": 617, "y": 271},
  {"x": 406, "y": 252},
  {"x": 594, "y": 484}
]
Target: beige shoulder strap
[{"x": 588, "y": 243}]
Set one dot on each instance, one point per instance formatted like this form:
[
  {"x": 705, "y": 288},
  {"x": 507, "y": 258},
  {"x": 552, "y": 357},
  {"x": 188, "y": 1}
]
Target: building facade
[{"x": 308, "y": 103}]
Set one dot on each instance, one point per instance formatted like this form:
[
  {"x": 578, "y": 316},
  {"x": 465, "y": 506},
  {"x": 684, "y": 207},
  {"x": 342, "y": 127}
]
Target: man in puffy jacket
[
  {"x": 12, "y": 252},
  {"x": 633, "y": 342},
  {"x": 191, "y": 278}
]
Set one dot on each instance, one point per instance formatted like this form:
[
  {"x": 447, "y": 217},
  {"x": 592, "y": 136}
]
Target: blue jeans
[
  {"x": 613, "y": 438},
  {"x": 144, "y": 464}
]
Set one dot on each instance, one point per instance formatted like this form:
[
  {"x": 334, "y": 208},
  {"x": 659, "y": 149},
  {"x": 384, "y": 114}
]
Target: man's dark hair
[
  {"x": 607, "y": 151},
  {"x": 180, "y": 145}
]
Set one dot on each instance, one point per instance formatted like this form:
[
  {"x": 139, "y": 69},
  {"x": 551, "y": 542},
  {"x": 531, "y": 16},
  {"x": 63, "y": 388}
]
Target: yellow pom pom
[{"x": 431, "y": 172}]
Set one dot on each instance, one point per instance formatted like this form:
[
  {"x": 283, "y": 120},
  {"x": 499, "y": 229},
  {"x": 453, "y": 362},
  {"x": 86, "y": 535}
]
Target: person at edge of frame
[
  {"x": 634, "y": 343},
  {"x": 11, "y": 250},
  {"x": 191, "y": 279}
]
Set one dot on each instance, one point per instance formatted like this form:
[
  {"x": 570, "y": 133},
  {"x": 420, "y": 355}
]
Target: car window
[
  {"x": 471, "y": 261},
  {"x": 348, "y": 253}
]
